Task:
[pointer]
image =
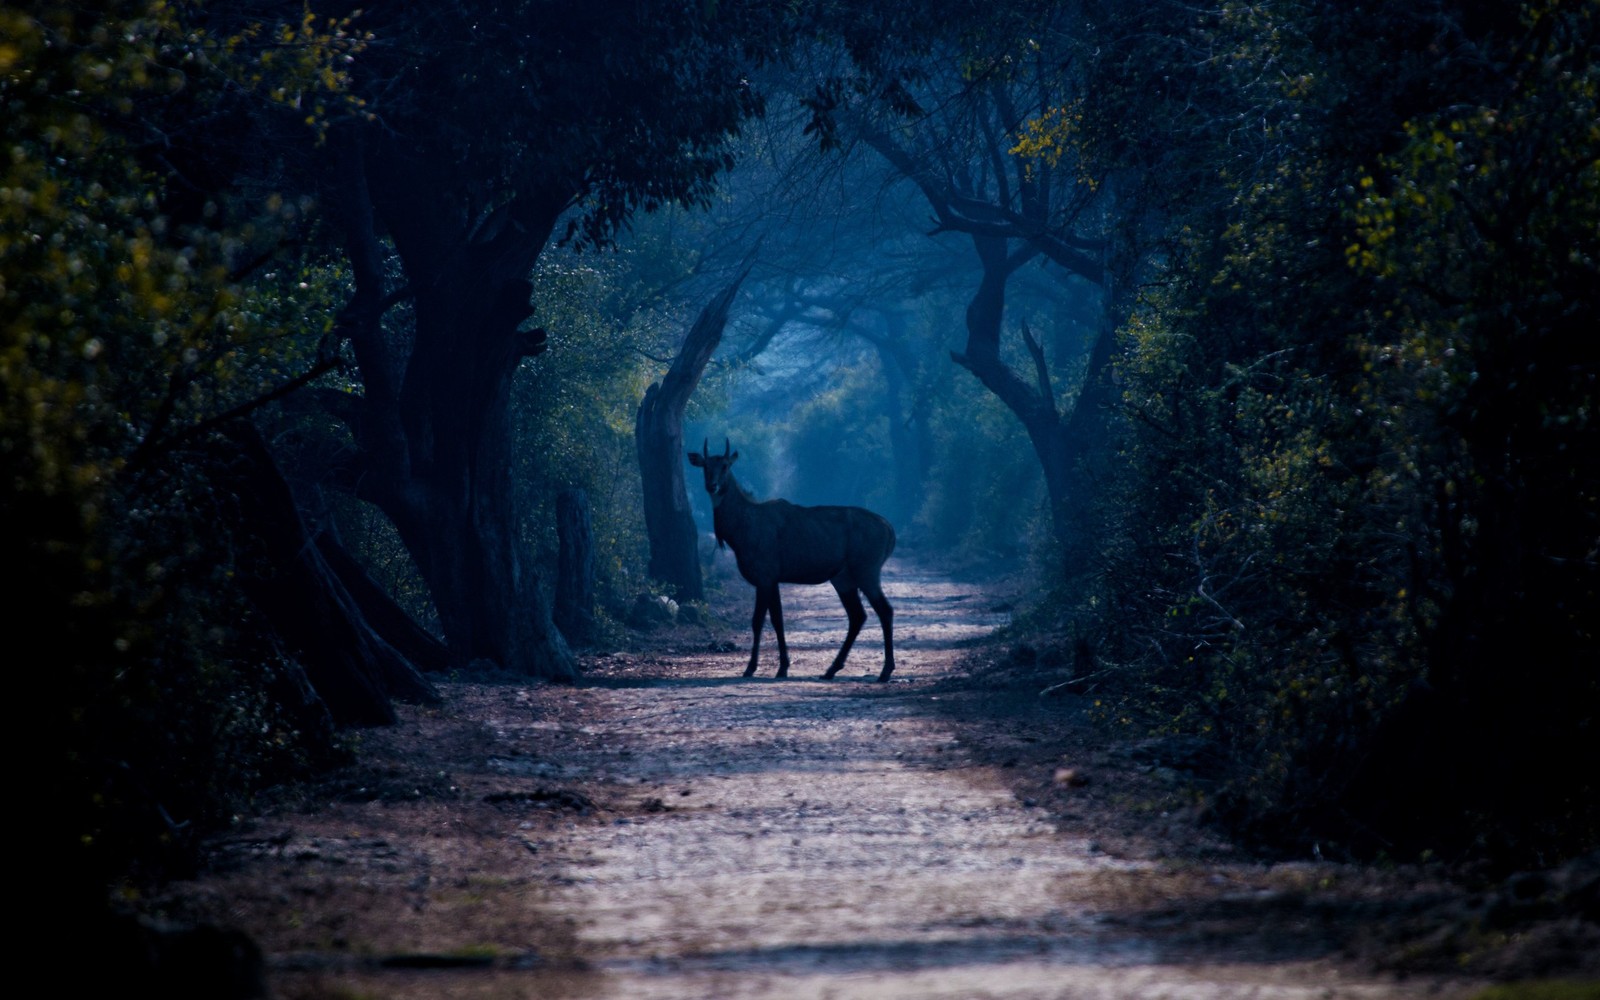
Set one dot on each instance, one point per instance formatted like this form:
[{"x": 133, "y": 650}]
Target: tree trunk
[
  {"x": 386, "y": 617},
  {"x": 350, "y": 666},
  {"x": 1062, "y": 444},
  {"x": 459, "y": 515},
  {"x": 575, "y": 567},
  {"x": 434, "y": 424},
  {"x": 910, "y": 435},
  {"x": 1034, "y": 406},
  {"x": 658, "y": 436}
]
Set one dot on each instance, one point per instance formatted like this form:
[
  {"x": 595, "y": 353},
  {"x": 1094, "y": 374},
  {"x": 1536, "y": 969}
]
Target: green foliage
[
  {"x": 832, "y": 446},
  {"x": 1542, "y": 989},
  {"x": 986, "y": 501},
  {"x": 1056, "y": 135},
  {"x": 1480, "y": 236},
  {"x": 625, "y": 106},
  {"x": 575, "y": 404},
  {"x": 1360, "y": 484},
  {"x": 123, "y": 329}
]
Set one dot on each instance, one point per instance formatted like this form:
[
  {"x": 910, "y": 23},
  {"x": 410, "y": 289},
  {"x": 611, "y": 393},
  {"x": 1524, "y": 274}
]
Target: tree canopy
[{"x": 1263, "y": 333}]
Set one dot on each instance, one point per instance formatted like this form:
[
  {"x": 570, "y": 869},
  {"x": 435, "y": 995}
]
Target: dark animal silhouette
[{"x": 776, "y": 542}]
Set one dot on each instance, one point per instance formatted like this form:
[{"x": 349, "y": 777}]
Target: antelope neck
[{"x": 730, "y": 486}]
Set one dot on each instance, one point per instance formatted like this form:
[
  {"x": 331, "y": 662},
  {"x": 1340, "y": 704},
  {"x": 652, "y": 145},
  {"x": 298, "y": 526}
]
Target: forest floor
[{"x": 669, "y": 829}]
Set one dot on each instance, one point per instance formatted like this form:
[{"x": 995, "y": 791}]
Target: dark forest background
[{"x": 1262, "y": 337}]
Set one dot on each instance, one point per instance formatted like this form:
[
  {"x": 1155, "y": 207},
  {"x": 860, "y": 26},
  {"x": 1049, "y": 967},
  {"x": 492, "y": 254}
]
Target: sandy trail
[
  {"x": 817, "y": 839},
  {"x": 747, "y": 839}
]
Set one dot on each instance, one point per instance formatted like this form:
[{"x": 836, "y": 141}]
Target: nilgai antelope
[{"x": 776, "y": 542}]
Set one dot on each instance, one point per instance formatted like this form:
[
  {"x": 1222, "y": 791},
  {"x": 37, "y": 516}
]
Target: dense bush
[
  {"x": 1357, "y": 543},
  {"x": 575, "y": 405},
  {"x": 130, "y": 320}
]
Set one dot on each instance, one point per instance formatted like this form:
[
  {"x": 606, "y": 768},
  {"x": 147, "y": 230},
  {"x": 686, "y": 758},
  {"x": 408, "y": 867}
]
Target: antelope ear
[
  {"x": 733, "y": 458},
  {"x": 696, "y": 460}
]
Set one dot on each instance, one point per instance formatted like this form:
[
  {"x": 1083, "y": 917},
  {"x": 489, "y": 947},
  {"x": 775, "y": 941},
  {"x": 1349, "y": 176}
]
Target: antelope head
[{"x": 718, "y": 468}]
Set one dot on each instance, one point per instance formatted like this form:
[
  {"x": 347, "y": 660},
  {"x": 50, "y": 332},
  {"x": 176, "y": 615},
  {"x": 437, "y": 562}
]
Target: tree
[
  {"x": 836, "y": 376},
  {"x": 486, "y": 124},
  {"x": 1017, "y": 198},
  {"x": 658, "y": 435},
  {"x": 842, "y": 311}
]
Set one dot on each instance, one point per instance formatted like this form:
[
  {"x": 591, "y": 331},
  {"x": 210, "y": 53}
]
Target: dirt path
[{"x": 670, "y": 830}]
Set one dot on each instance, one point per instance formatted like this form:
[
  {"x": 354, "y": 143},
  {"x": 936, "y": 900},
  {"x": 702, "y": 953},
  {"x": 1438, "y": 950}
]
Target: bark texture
[
  {"x": 658, "y": 436},
  {"x": 1062, "y": 441},
  {"x": 349, "y": 665},
  {"x": 391, "y": 621},
  {"x": 574, "y": 612},
  {"x": 433, "y": 423}
]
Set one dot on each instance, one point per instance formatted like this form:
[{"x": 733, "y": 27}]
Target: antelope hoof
[
  {"x": 883, "y": 678},
  {"x": 750, "y": 671}
]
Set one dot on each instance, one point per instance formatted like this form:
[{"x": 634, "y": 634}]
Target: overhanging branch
[
  {"x": 1041, "y": 370},
  {"x": 156, "y": 444}
]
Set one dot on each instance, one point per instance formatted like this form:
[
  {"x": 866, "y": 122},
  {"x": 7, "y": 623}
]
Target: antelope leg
[
  {"x": 775, "y": 606},
  {"x": 755, "y": 627},
  {"x": 858, "y": 617},
  {"x": 880, "y": 604}
]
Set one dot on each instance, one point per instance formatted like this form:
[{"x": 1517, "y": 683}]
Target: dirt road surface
[{"x": 668, "y": 829}]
